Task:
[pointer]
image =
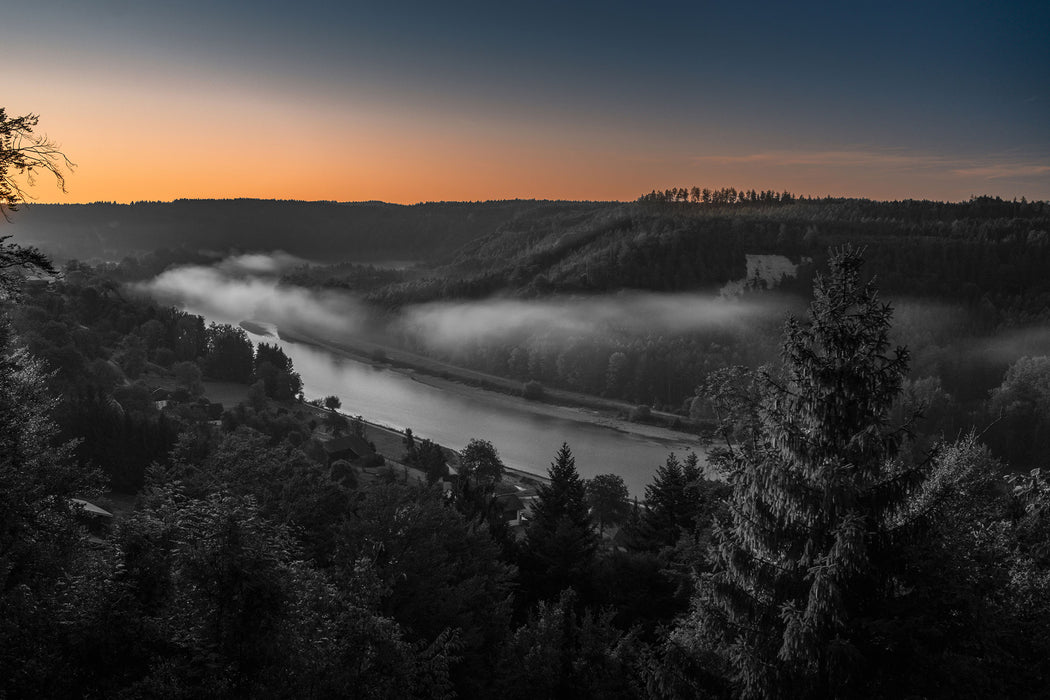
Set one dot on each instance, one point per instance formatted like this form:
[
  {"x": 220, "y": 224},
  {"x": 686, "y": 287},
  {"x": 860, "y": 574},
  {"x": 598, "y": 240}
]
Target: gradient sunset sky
[{"x": 423, "y": 101}]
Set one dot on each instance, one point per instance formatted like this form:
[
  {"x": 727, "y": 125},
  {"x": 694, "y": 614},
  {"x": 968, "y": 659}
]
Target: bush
[
  {"x": 370, "y": 461},
  {"x": 639, "y": 414},
  {"x": 188, "y": 376},
  {"x": 164, "y": 357},
  {"x": 532, "y": 390},
  {"x": 343, "y": 471}
]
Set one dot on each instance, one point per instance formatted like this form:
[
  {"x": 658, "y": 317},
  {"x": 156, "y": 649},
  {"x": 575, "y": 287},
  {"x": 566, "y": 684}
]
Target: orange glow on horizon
[{"x": 208, "y": 144}]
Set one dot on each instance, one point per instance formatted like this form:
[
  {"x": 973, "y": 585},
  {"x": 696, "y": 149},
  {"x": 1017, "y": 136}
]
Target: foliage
[
  {"x": 1021, "y": 408},
  {"x": 120, "y": 443},
  {"x": 19, "y": 259},
  {"x": 230, "y": 355},
  {"x": 640, "y": 414},
  {"x": 562, "y": 653},
  {"x": 188, "y": 375},
  {"x": 972, "y": 606},
  {"x": 428, "y": 457},
  {"x": 560, "y": 543},
  {"x": 23, "y": 153},
  {"x": 607, "y": 497},
  {"x": 41, "y": 541},
  {"x": 274, "y": 368},
  {"x": 336, "y": 230},
  {"x": 724, "y": 196},
  {"x": 678, "y": 501},
  {"x": 479, "y": 464},
  {"x": 532, "y": 390},
  {"x": 233, "y": 610},
  {"x": 439, "y": 572},
  {"x": 283, "y": 482},
  {"x": 802, "y": 560}
]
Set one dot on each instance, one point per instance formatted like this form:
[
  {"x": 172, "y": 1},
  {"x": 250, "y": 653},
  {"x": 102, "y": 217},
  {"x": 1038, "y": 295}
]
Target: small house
[{"x": 515, "y": 503}]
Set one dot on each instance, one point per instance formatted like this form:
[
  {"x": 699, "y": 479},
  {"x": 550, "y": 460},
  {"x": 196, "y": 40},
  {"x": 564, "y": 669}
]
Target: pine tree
[
  {"x": 560, "y": 541},
  {"x": 678, "y": 499},
  {"x": 659, "y": 525},
  {"x": 802, "y": 559}
]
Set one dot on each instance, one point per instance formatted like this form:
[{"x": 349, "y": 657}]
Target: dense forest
[
  {"x": 371, "y": 231},
  {"x": 840, "y": 544}
]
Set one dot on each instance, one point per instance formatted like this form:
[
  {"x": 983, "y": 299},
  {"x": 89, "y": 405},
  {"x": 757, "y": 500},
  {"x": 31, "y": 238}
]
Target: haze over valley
[{"x": 525, "y": 351}]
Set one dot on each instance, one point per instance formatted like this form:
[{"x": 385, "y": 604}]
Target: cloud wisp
[{"x": 989, "y": 167}]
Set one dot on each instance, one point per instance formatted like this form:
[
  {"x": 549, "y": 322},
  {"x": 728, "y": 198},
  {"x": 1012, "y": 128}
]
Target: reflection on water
[{"x": 525, "y": 440}]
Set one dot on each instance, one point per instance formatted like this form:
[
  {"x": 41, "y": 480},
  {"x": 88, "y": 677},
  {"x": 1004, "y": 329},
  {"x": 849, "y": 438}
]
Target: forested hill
[
  {"x": 325, "y": 231},
  {"x": 984, "y": 248}
]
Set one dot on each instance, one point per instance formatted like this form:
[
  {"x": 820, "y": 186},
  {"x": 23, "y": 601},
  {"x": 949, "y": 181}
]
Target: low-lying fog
[{"x": 246, "y": 287}]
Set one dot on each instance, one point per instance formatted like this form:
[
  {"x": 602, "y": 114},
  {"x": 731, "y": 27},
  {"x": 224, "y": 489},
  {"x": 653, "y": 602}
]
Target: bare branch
[{"x": 22, "y": 155}]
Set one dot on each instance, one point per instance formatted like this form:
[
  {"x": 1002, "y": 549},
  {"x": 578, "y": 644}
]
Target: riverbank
[
  {"x": 389, "y": 392},
  {"x": 557, "y": 403},
  {"x": 592, "y": 416},
  {"x": 390, "y": 443}
]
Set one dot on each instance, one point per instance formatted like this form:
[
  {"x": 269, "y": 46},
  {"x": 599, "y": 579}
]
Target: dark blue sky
[{"x": 936, "y": 100}]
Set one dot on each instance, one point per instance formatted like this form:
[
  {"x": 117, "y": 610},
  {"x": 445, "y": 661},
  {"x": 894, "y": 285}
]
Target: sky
[{"x": 425, "y": 101}]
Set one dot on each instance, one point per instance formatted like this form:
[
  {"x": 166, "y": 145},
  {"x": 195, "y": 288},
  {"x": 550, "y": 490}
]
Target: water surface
[{"x": 525, "y": 440}]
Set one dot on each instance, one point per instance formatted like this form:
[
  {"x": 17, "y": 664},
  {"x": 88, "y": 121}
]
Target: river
[{"x": 526, "y": 439}]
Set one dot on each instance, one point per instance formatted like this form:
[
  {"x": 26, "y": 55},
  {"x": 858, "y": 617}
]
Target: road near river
[{"x": 527, "y": 435}]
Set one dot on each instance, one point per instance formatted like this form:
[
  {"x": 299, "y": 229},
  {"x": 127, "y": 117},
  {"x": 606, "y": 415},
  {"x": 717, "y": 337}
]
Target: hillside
[
  {"x": 984, "y": 248},
  {"x": 972, "y": 251},
  {"x": 323, "y": 231}
]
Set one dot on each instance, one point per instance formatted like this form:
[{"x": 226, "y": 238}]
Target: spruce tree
[
  {"x": 660, "y": 524},
  {"x": 560, "y": 541},
  {"x": 801, "y": 562},
  {"x": 676, "y": 502}
]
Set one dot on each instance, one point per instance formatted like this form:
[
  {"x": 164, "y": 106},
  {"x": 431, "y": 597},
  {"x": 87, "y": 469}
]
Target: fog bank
[
  {"x": 451, "y": 324},
  {"x": 246, "y": 287},
  {"x": 229, "y": 290}
]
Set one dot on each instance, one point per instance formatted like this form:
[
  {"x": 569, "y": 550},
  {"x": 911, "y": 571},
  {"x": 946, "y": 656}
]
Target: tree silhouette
[
  {"x": 230, "y": 355},
  {"x": 23, "y": 153}
]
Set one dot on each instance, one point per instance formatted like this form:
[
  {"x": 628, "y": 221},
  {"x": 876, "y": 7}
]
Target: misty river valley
[{"x": 208, "y": 489}]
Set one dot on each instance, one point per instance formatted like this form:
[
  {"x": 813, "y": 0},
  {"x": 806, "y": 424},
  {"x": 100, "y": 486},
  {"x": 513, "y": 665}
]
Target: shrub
[{"x": 640, "y": 413}]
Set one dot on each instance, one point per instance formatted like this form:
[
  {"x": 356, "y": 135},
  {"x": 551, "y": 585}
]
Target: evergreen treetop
[
  {"x": 801, "y": 559},
  {"x": 560, "y": 541}
]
